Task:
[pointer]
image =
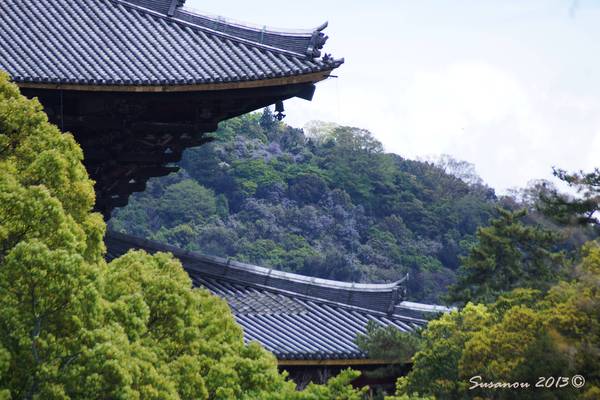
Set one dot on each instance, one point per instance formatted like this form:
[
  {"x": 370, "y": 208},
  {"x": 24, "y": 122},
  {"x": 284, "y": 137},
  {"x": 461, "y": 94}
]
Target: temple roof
[
  {"x": 146, "y": 43},
  {"x": 294, "y": 316}
]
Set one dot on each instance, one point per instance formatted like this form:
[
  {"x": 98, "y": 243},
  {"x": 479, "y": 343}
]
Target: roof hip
[
  {"x": 305, "y": 43},
  {"x": 377, "y": 297}
]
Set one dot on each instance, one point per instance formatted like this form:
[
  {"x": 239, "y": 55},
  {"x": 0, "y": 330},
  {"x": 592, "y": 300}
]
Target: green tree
[
  {"x": 572, "y": 312},
  {"x": 574, "y": 210},
  {"x": 436, "y": 367},
  {"x": 251, "y": 174},
  {"x": 186, "y": 202},
  {"x": 267, "y": 120},
  {"x": 388, "y": 343},
  {"x": 524, "y": 335},
  {"x": 73, "y": 326},
  {"x": 508, "y": 255},
  {"x": 355, "y": 162},
  {"x": 51, "y": 248}
]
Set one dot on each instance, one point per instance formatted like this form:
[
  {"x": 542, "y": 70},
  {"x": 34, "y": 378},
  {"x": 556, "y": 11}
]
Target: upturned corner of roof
[
  {"x": 322, "y": 26},
  {"x": 402, "y": 281},
  {"x": 317, "y": 41}
]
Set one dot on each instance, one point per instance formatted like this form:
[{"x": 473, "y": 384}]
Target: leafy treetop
[{"x": 73, "y": 326}]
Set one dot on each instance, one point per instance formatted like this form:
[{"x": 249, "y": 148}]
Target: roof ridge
[
  {"x": 326, "y": 301},
  {"x": 175, "y": 19},
  {"x": 424, "y": 307},
  {"x": 258, "y": 270},
  {"x": 253, "y": 26}
]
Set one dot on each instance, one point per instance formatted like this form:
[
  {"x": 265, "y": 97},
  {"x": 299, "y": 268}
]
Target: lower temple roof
[{"x": 293, "y": 316}]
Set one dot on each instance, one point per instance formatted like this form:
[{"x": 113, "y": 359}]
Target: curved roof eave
[
  {"x": 161, "y": 88},
  {"x": 229, "y": 264}
]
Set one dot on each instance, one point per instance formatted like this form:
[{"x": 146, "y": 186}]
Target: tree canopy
[
  {"x": 522, "y": 336},
  {"x": 531, "y": 316},
  {"x": 507, "y": 255},
  {"x": 73, "y": 326},
  {"x": 582, "y": 209}
]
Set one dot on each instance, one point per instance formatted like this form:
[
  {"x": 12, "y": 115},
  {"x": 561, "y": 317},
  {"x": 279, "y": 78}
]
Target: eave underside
[{"x": 129, "y": 137}]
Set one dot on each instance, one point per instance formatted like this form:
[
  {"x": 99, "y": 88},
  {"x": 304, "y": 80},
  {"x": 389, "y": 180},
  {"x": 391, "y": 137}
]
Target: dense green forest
[
  {"x": 327, "y": 202},
  {"x": 530, "y": 310}
]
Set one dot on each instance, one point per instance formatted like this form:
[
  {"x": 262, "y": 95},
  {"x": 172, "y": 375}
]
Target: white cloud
[
  {"x": 508, "y": 86},
  {"x": 511, "y": 130}
]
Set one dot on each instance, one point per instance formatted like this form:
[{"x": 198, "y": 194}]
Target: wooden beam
[
  {"x": 306, "y": 78},
  {"x": 135, "y": 133},
  {"x": 173, "y": 128},
  {"x": 340, "y": 362},
  {"x": 154, "y": 171},
  {"x": 105, "y": 123},
  {"x": 114, "y": 202},
  {"x": 70, "y": 122},
  {"x": 99, "y": 157},
  {"x": 128, "y": 188}
]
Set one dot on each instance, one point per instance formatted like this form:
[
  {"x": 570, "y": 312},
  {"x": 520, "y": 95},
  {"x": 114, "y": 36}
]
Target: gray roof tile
[{"x": 113, "y": 42}]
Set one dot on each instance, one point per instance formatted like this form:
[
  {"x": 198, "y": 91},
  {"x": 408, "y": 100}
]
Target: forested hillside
[
  {"x": 530, "y": 307},
  {"x": 327, "y": 202}
]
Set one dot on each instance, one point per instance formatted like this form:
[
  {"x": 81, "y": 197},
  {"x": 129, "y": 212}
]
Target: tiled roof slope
[
  {"x": 293, "y": 316},
  {"x": 114, "y": 42},
  {"x": 293, "y": 326}
]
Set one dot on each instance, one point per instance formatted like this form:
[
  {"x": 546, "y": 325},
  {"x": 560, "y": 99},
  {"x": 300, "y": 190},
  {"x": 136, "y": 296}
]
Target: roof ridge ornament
[
  {"x": 317, "y": 41},
  {"x": 174, "y": 5}
]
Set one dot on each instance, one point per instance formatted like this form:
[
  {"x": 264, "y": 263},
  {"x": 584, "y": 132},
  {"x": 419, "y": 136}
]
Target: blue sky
[{"x": 511, "y": 86}]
